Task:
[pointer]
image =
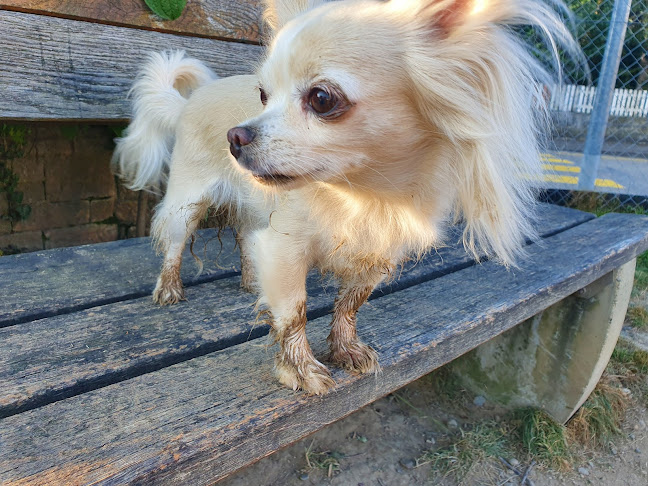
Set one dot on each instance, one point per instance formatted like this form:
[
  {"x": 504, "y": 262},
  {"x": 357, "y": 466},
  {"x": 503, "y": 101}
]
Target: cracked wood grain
[
  {"x": 46, "y": 283},
  {"x": 60, "y": 69}
]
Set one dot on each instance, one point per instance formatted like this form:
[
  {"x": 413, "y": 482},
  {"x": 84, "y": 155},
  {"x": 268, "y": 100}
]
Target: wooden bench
[{"x": 100, "y": 386}]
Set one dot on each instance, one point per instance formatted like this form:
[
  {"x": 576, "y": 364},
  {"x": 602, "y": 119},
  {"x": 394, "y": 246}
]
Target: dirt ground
[{"x": 379, "y": 446}]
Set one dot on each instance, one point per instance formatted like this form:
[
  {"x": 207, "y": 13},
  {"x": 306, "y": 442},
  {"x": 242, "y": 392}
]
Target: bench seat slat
[
  {"x": 51, "y": 282},
  {"x": 92, "y": 275},
  {"x": 55, "y": 358},
  {"x": 199, "y": 420},
  {"x": 240, "y": 20},
  {"x": 50, "y": 359},
  {"x": 61, "y": 69}
]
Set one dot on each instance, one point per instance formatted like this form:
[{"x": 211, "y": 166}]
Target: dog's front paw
[
  {"x": 312, "y": 377},
  {"x": 168, "y": 289},
  {"x": 354, "y": 356}
]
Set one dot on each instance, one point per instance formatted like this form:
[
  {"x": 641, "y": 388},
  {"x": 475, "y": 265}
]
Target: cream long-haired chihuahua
[{"x": 369, "y": 127}]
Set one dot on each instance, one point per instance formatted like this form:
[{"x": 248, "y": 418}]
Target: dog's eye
[
  {"x": 321, "y": 101},
  {"x": 264, "y": 96}
]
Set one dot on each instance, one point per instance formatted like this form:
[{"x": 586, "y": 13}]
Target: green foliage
[
  {"x": 598, "y": 421},
  {"x": 167, "y": 9},
  {"x": 486, "y": 440},
  {"x": 593, "y": 22},
  {"x": 633, "y": 360},
  {"x": 641, "y": 273},
  {"x": 638, "y": 316},
  {"x": 117, "y": 130},
  {"x": 12, "y": 146},
  {"x": 542, "y": 437}
]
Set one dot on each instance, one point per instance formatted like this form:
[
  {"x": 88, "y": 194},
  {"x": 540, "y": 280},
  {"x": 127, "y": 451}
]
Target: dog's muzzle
[{"x": 239, "y": 137}]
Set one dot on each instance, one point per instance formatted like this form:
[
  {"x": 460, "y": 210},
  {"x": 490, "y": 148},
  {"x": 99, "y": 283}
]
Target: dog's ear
[
  {"x": 445, "y": 15},
  {"x": 277, "y": 13},
  {"x": 440, "y": 16},
  {"x": 477, "y": 87}
]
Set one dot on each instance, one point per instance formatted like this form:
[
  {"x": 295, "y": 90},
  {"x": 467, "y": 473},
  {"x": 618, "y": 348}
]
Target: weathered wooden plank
[
  {"x": 53, "y": 69},
  {"x": 197, "y": 421},
  {"x": 51, "y": 282},
  {"x": 94, "y": 275},
  {"x": 111, "y": 343},
  {"x": 114, "y": 342},
  {"x": 551, "y": 221},
  {"x": 224, "y": 19}
]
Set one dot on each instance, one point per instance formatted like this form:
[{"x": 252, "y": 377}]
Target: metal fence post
[{"x": 604, "y": 94}]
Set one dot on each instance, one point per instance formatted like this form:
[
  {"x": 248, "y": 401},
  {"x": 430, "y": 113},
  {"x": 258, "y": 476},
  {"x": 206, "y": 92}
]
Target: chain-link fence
[{"x": 599, "y": 155}]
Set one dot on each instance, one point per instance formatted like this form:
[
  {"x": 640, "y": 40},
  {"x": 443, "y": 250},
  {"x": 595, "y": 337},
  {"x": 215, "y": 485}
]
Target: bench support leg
[{"x": 554, "y": 360}]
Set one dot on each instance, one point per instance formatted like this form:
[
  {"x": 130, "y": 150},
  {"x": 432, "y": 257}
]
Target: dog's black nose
[{"x": 239, "y": 137}]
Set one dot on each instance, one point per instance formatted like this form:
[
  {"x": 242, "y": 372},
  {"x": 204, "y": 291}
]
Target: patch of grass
[
  {"x": 641, "y": 273},
  {"x": 626, "y": 358},
  {"x": 324, "y": 460},
  {"x": 591, "y": 202},
  {"x": 600, "y": 204},
  {"x": 638, "y": 317},
  {"x": 543, "y": 438},
  {"x": 629, "y": 366},
  {"x": 488, "y": 439},
  {"x": 534, "y": 433},
  {"x": 598, "y": 421}
]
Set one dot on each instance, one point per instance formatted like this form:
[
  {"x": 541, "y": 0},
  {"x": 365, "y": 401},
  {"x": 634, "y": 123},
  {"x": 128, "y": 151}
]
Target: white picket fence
[{"x": 580, "y": 99}]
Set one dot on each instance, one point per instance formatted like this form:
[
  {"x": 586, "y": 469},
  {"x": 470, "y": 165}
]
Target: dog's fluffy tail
[{"x": 159, "y": 95}]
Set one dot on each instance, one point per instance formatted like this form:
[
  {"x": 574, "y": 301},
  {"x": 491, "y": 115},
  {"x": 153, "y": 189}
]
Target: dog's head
[
  {"x": 404, "y": 97},
  {"x": 335, "y": 96}
]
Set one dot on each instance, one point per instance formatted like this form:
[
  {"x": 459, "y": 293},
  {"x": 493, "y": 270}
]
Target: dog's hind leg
[{"x": 175, "y": 220}]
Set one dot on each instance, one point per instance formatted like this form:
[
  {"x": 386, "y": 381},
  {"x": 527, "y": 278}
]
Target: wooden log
[
  {"x": 222, "y": 19},
  {"x": 92, "y": 275},
  {"x": 197, "y": 421},
  {"x": 60, "y": 69}
]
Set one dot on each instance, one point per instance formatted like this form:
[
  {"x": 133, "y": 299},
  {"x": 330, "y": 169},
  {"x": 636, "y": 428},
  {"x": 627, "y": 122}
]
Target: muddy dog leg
[
  {"x": 347, "y": 351},
  {"x": 175, "y": 220},
  {"x": 281, "y": 266}
]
